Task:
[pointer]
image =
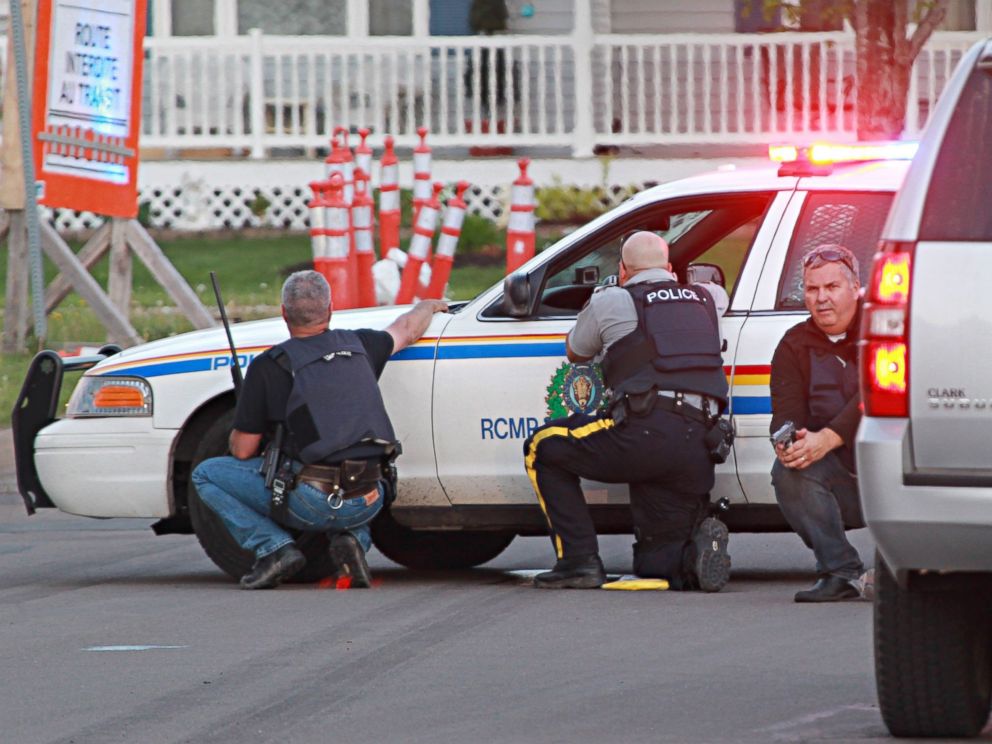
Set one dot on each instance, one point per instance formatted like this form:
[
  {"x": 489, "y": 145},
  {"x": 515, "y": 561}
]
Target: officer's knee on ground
[{"x": 658, "y": 560}]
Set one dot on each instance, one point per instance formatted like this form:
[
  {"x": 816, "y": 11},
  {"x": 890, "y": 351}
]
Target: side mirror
[
  {"x": 705, "y": 273},
  {"x": 516, "y": 295}
]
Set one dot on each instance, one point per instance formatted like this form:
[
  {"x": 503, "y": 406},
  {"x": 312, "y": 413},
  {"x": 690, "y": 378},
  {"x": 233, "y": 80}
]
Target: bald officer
[{"x": 659, "y": 345}]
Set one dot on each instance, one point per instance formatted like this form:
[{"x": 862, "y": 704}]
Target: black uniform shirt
[{"x": 262, "y": 404}]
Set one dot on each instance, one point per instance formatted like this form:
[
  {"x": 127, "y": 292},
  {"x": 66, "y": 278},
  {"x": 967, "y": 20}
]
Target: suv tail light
[{"x": 884, "y": 357}]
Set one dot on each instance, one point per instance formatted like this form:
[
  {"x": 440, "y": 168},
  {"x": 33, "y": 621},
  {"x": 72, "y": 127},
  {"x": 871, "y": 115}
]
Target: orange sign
[{"x": 87, "y": 104}]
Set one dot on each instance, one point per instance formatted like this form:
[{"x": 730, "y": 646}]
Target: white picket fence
[{"x": 259, "y": 93}]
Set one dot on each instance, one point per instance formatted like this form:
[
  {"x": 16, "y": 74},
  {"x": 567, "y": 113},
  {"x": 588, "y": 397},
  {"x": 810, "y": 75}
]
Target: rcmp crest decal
[{"x": 575, "y": 388}]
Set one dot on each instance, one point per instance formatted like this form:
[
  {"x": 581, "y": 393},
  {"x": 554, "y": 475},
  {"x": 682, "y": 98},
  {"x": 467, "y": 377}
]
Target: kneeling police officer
[
  {"x": 328, "y": 471},
  {"x": 659, "y": 344}
]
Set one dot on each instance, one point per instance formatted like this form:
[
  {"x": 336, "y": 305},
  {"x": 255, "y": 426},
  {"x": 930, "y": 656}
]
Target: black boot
[
  {"x": 829, "y": 589},
  {"x": 349, "y": 559},
  {"x": 582, "y": 572},
  {"x": 270, "y": 571}
]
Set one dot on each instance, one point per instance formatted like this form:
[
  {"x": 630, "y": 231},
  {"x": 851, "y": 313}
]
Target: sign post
[
  {"x": 87, "y": 104},
  {"x": 85, "y": 127}
]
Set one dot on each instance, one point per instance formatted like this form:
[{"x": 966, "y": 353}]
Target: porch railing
[{"x": 258, "y": 93}]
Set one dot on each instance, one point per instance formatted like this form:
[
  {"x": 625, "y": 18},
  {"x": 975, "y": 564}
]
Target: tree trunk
[{"x": 885, "y": 61}]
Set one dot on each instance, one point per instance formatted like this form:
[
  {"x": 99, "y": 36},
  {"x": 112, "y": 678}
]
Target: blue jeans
[
  {"x": 817, "y": 501},
  {"x": 235, "y": 491}
]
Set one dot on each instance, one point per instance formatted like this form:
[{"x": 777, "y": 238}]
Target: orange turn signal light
[
  {"x": 893, "y": 278},
  {"x": 118, "y": 396}
]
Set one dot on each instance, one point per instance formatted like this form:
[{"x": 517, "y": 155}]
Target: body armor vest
[
  {"x": 335, "y": 401},
  {"x": 676, "y": 345}
]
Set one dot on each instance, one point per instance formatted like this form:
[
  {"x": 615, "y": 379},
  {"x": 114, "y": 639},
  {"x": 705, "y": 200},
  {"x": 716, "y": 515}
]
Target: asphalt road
[{"x": 473, "y": 656}]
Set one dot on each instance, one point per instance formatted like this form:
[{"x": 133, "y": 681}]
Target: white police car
[{"x": 464, "y": 398}]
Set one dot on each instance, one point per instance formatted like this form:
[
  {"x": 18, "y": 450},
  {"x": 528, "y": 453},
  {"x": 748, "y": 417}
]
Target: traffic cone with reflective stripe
[
  {"x": 520, "y": 238},
  {"x": 420, "y": 248},
  {"x": 348, "y": 194},
  {"x": 421, "y": 173},
  {"x": 389, "y": 200},
  {"x": 363, "y": 157},
  {"x": 318, "y": 240},
  {"x": 336, "y": 229},
  {"x": 451, "y": 229},
  {"x": 361, "y": 217}
]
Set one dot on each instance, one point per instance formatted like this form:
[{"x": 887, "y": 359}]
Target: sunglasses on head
[{"x": 828, "y": 255}]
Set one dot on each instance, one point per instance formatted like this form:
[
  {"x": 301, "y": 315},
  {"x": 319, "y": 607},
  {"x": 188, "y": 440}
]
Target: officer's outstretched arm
[{"x": 411, "y": 325}]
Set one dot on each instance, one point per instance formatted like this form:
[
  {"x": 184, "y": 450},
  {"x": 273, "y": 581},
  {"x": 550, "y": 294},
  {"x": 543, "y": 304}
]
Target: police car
[{"x": 464, "y": 398}]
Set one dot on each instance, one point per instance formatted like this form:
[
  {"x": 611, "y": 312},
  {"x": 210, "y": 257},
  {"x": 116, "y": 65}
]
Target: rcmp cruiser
[{"x": 139, "y": 420}]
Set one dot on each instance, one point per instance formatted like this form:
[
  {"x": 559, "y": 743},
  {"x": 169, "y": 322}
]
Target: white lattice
[{"x": 196, "y": 206}]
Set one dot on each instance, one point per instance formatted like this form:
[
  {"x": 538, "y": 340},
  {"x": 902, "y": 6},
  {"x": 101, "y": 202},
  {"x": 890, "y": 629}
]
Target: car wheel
[
  {"x": 217, "y": 542},
  {"x": 436, "y": 549},
  {"x": 933, "y": 665}
]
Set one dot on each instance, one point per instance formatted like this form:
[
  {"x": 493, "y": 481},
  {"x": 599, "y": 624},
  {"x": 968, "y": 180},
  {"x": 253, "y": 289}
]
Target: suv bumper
[{"x": 936, "y": 527}]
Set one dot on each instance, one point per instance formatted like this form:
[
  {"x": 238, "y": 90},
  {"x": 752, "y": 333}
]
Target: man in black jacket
[{"x": 814, "y": 384}]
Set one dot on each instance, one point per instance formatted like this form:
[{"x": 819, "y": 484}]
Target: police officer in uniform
[
  {"x": 321, "y": 386},
  {"x": 659, "y": 344}
]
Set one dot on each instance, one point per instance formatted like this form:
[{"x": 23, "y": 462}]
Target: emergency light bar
[{"x": 817, "y": 159}]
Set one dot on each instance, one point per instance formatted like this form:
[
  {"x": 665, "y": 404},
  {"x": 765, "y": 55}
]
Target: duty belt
[
  {"x": 349, "y": 476},
  {"x": 668, "y": 400}
]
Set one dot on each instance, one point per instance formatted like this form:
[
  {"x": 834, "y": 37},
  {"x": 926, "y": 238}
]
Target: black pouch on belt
[
  {"x": 719, "y": 439},
  {"x": 641, "y": 404}
]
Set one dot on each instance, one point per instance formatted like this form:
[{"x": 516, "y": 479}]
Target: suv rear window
[
  {"x": 957, "y": 203},
  {"x": 853, "y": 219}
]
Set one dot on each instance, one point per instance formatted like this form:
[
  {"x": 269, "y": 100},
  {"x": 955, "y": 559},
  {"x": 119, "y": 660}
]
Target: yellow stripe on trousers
[{"x": 558, "y": 431}]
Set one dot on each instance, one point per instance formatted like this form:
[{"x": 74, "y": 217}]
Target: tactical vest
[
  {"x": 832, "y": 384},
  {"x": 676, "y": 345},
  {"x": 335, "y": 401}
]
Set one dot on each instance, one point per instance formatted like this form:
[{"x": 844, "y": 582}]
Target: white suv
[{"x": 924, "y": 448}]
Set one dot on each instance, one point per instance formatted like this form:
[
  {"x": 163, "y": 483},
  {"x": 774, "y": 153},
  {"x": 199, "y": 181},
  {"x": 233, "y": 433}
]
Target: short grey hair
[
  {"x": 306, "y": 295},
  {"x": 833, "y": 253}
]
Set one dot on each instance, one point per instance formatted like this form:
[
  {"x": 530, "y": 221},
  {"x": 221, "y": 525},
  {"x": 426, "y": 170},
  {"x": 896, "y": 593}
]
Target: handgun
[{"x": 785, "y": 436}]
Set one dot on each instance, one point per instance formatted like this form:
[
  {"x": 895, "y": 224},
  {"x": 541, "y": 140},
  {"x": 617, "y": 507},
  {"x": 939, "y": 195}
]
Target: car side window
[
  {"x": 854, "y": 220},
  {"x": 714, "y": 229}
]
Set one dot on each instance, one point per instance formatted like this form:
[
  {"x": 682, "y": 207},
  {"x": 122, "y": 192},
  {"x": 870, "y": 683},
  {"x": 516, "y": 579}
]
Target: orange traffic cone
[
  {"x": 420, "y": 248},
  {"x": 520, "y": 237},
  {"x": 451, "y": 229}
]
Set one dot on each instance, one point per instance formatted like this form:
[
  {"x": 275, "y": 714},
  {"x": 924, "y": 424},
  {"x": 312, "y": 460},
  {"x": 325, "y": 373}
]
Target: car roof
[{"x": 883, "y": 175}]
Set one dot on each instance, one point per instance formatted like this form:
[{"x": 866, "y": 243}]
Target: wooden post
[
  {"x": 119, "y": 328},
  {"x": 15, "y": 319},
  {"x": 95, "y": 249},
  {"x": 119, "y": 278},
  {"x": 166, "y": 275},
  {"x": 583, "y": 43}
]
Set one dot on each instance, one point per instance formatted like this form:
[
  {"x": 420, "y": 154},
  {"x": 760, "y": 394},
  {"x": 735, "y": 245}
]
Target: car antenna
[{"x": 236, "y": 376}]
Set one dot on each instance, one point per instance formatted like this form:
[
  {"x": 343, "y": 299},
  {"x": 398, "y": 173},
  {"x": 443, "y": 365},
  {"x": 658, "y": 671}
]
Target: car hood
[{"x": 252, "y": 335}]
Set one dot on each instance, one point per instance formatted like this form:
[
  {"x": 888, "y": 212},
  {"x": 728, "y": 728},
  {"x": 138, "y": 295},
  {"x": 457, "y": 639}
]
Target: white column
[
  {"x": 358, "y": 18},
  {"x": 583, "y": 44},
  {"x": 983, "y": 15},
  {"x": 421, "y": 18},
  {"x": 162, "y": 19},
  {"x": 226, "y": 18}
]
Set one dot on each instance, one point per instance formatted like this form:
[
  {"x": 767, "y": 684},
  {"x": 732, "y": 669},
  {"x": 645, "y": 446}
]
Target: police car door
[
  {"x": 814, "y": 217},
  {"x": 499, "y": 377}
]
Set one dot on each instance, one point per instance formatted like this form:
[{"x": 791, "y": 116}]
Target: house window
[
  {"x": 391, "y": 17},
  {"x": 294, "y": 17},
  {"x": 193, "y": 18}
]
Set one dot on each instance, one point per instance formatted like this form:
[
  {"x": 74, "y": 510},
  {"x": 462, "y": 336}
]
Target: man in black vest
[
  {"x": 814, "y": 385},
  {"x": 659, "y": 343},
  {"x": 321, "y": 385}
]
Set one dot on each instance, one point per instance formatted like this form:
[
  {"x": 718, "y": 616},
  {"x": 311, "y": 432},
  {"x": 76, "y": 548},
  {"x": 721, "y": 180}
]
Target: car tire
[
  {"x": 217, "y": 542},
  {"x": 436, "y": 549},
  {"x": 933, "y": 659}
]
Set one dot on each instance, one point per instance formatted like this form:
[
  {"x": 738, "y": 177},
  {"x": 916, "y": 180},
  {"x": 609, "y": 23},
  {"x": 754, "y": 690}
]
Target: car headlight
[{"x": 110, "y": 396}]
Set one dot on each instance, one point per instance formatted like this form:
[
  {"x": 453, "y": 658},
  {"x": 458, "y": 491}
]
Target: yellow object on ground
[{"x": 635, "y": 584}]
